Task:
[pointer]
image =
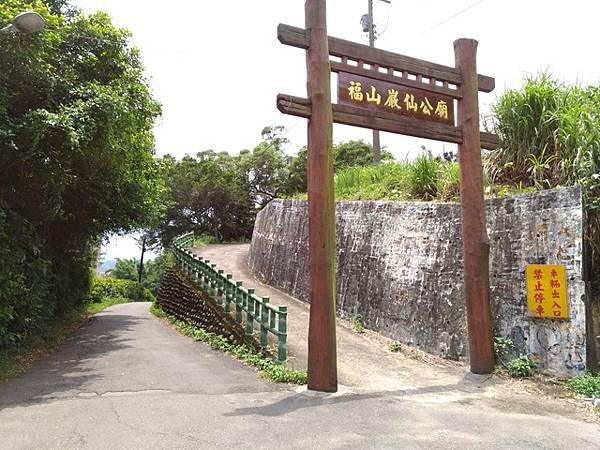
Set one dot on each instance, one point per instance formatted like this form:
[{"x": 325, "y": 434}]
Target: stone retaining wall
[{"x": 399, "y": 266}]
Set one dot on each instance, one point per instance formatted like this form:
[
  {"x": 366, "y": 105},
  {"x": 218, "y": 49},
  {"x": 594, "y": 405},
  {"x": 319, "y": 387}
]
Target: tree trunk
[{"x": 141, "y": 268}]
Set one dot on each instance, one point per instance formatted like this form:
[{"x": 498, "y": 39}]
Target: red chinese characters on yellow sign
[
  {"x": 547, "y": 291},
  {"x": 380, "y": 95}
]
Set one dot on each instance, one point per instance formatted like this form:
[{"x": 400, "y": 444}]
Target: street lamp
[{"x": 26, "y": 23}]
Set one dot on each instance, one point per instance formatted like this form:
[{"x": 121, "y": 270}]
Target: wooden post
[
  {"x": 322, "y": 363},
  {"x": 474, "y": 234}
]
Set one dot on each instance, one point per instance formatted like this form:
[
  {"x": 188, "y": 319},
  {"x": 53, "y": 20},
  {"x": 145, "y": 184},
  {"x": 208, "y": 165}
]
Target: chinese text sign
[
  {"x": 547, "y": 291},
  {"x": 380, "y": 95}
]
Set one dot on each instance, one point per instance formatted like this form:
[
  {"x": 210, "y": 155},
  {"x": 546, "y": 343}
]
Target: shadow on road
[
  {"x": 72, "y": 368},
  {"x": 310, "y": 399}
]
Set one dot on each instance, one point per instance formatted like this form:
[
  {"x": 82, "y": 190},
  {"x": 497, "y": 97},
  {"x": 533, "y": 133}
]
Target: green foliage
[
  {"x": 205, "y": 239},
  {"x": 209, "y": 195},
  {"x": 520, "y": 367},
  {"x": 76, "y": 158},
  {"x": 396, "y": 347},
  {"x": 551, "y": 136},
  {"x": 125, "y": 269},
  {"x": 269, "y": 368},
  {"x": 118, "y": 291},
  {"x": 426, "y": 178},
  {"x": 345, "y": 155},
  {"x": 448, "y": 181},
  {"x": 128, "y": 269},
  {"x": 358, "y": 324},
  {"x": 587, "y": 384},
  {"x": 154, "y": 270},
  {"x": 423, "y": 177},
  {"x": 355, "y": 154},
  {"x": 502, "y": 347},
  {"x": 266, "y": 170}
]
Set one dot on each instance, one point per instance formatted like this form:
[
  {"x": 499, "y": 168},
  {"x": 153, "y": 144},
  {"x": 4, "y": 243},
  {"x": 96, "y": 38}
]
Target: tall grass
[
  {"x": 426, "y": 178},
  {"x": 550, "y": 136}
]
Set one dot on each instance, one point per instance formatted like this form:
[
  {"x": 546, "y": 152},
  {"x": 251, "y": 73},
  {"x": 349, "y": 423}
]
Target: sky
[{"x": 217, "y": 67}]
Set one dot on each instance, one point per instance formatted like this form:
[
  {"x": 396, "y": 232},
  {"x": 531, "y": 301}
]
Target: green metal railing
[{"x": 236, "y": 300}]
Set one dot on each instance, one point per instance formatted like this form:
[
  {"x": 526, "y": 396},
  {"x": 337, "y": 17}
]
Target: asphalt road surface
[{"x": 127, "y": 380}]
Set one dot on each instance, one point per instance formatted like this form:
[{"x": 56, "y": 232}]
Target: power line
[{"x": 454, "y": 15}]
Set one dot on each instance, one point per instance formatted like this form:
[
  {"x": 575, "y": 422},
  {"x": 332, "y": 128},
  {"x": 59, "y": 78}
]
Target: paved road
[{"x": 126, "y": 380}]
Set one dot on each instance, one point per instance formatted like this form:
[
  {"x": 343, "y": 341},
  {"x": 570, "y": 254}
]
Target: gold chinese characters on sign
[
  {"x": 547, "y": 291},
  {"x": 380, "y": 95}
]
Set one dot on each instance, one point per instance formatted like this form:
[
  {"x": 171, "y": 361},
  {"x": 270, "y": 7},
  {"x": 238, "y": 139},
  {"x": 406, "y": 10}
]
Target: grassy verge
[{"x": 268, "y": 368}]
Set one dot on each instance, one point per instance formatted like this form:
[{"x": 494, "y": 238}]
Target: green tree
[
  {"x": 355, "y": 154},
  {"x": 128, "y": 269},
  {"x": 345, "y": 154},
  {"x": 76, "y": 154},
  {"x": 209, "y": 195},
  {"x": 125, "y": 269},
  {"x": 266, "y": 169}
]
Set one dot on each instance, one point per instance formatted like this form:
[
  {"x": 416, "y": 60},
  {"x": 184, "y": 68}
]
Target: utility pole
[{"x": 376, "y": 142}]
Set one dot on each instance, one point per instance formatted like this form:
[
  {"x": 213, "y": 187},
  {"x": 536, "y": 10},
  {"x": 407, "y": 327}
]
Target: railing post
[
  {"x": 219, "y": 297},
  {"x": 282, "y": 334},
  {"x": 224, "y": 290},
  {"x": 250, "y": 313},
  {"x": 238, "y": 301},
  {"x": 205, "y": 277},
  {"x": 264, "y": 321},
  {"x": 197, "y": 264},
  {"x": 214, "y": 276},
  {"x": 228, "y": 292}
]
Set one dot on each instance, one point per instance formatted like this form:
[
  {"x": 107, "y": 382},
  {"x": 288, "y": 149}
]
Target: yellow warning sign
[{"x": 547, "y": 290}]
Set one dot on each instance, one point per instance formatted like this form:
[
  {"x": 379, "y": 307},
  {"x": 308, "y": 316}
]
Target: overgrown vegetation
[
  {"x": 76, "y": 159},
  {"x": 551, "y": 137},
  {"x": 396, "y": 347},
  {"x": 358, "y": 324},
  {"x": 520, "y": 367},
  {"x": 587, "y": 384},
  {"x": 426, "y": 178},
  {"x": 268, "y": 368},
  {"x": 118, "y": 291},
  {"x": 502, "y": 347}
]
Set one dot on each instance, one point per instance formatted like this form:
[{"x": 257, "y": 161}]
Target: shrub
[
  {"x": 449, "y": 181},
  {"x": 118, "y": 291},
  {"x": 358, "y": 324},
  {"x": 205, "y": 239},
  {"x": 423, "y": 177},
  {"x": 520, "y": 367},
  {"x": 502, "y": 347},
  {"x": 396, "y": 347},
  {"x": 587, "y": 384}
]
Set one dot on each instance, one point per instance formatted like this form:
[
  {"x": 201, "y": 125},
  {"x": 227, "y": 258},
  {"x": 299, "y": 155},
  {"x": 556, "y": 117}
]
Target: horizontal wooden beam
[
  {"x": 384, "y": 121},
  {"x": 339, "y": 67},
  {"x": 296, "y": 37}
]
